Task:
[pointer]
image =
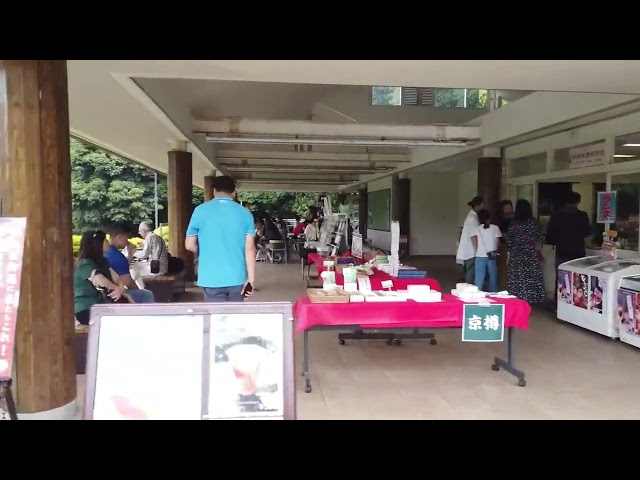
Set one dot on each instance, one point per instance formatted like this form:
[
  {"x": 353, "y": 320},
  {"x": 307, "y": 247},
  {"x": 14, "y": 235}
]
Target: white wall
[
  {"x": 379, "y": 238},
  {"x": 467, "y": 189},
  {"x": 543, "y": 109},
  {"x": 434, "y": 213},
  {"x": 438, "y": 209}
]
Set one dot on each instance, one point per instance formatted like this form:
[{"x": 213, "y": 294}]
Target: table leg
[
  {"x": 509, "y": 365},
  {"x": 305, "y": 363}
]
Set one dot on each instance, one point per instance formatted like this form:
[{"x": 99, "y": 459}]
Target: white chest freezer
[
  {"x": 628, "y": 303},
  {"x": 588, "y": 292}
]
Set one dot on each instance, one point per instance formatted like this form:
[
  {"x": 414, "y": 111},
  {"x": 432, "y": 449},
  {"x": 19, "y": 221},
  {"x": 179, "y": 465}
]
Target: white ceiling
[{"x": 109, "y": 109}]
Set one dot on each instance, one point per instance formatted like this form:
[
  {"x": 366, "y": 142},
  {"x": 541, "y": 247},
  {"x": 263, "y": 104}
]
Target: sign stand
[{"x": 5, "y": 393}]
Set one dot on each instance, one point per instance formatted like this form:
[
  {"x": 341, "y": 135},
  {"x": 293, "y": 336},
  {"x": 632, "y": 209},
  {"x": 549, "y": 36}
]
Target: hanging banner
[
  {"x": 607, "y": 206},
  {"x": 12, "y": 233},
  {"x": 587, "y": 156}
]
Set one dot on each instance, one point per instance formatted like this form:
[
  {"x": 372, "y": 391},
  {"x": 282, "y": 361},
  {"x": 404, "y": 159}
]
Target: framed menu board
[{"x": 191, "y": 362}]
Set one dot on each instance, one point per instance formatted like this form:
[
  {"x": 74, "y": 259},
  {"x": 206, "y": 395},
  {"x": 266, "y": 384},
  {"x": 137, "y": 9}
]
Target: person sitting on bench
[
  {"x": 154, "y": 256},
  {"x": 119, "y": 239}
]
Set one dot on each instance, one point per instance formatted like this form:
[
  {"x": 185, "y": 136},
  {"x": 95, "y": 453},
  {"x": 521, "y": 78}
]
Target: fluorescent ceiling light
[
  {"x": 363, "y": 141},
  {"x": 631, "y": 145},
  {"x": 625, "y": 156}
]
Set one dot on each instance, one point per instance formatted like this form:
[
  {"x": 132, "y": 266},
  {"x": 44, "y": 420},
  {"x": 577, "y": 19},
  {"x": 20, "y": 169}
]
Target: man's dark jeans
[{"x": 223, "y": 294}]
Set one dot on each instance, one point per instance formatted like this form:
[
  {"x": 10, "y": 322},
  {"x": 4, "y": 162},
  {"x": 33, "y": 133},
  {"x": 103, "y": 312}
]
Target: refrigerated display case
[
  {"x": 628, "y": 303},
  {"x": 588, "y": 292}
]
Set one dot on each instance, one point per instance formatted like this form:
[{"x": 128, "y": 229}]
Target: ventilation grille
[{"x": 417, "y": 96}]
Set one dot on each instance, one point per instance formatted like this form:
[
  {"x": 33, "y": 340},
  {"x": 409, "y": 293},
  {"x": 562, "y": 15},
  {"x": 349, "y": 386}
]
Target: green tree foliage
[
  {"x": 386, "y": 96},
  {"x": 284, "y": 203},
  {"x": 107, "y": 189},
  {"x": 454, "y": 97}
]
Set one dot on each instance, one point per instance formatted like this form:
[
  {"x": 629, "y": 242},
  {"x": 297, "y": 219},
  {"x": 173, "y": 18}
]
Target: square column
[
  {"x": 363, "y": 212},
  {"x": 35, "y": 182},
  {"x": 179, "y": 191},
  {"x": 489, "y": 180},
  {"x": 208, "y": 187},
  {"x": 401, "y": 207}
]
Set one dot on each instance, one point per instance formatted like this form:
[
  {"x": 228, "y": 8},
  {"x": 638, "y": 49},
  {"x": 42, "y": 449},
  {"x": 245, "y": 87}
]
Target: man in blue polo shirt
[
  {"x": 221, "y": 233},
  {"x": 119, "y": 239}
]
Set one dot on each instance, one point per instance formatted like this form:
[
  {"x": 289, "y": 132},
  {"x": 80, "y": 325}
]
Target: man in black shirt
[{"x": 567, "y": 229}]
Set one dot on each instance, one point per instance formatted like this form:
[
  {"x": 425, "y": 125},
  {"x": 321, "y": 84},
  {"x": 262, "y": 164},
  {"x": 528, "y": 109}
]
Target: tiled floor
[{"x": 571, "y": 373}]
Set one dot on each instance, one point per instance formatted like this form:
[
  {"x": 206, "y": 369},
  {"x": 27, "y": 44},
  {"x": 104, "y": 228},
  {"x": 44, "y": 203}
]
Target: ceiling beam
[
  {"x": 244, "y": 129},
  {"x": 260, "y": 155},
  {"x": 267, "y": 186},
  {"x": 305, "y": 169}
]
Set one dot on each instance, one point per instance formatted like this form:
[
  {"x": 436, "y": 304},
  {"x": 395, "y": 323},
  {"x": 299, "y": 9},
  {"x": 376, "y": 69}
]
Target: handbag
[
  {"x": 103, "y": 293},
  {"x": 154, "y": 265},
  {"x": 493, "y": 254}
]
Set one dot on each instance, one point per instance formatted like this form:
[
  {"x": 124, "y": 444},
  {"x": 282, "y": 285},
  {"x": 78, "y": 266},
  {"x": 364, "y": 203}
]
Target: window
[
  {"x": 386, "y": 96},
  {"x": 425, "y": 96},
  {"x": 461, "y": 98}
]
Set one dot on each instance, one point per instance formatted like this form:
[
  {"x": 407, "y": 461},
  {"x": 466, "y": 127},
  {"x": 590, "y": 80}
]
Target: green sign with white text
[{"x": 483, "y": 323}]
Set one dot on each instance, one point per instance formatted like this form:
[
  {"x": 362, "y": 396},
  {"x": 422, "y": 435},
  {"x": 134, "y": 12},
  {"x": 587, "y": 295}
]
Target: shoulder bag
[{"x": 154, "y": 265}]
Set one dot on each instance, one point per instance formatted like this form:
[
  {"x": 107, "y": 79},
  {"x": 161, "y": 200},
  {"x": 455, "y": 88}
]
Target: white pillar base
[{"x": 66, "y": 412}]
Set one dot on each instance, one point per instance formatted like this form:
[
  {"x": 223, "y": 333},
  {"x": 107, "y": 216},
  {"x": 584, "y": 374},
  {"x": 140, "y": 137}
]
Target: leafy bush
[
  {"x": 135, "y": 241},
  {"x": 163, "y": 232}
]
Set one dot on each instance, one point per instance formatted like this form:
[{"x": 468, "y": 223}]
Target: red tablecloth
[
  {"x": 378, "y": 277},
  {"x": 409, "y": 314}
]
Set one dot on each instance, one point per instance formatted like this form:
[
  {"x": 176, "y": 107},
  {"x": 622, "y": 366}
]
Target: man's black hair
[
  {"x": 224, "y": 184},
  {"x": 119, "y": 229},
  {"x": 574, "y": 198}
]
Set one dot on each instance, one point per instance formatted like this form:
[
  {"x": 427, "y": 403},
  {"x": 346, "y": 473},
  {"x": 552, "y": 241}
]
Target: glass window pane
[
  {"x": 477, "y": 98},
  {"x": 386, "y": 96},
  {"x": 450, "y": 97}
]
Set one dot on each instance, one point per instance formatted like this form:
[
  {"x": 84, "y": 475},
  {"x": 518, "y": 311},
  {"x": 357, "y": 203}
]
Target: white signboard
[
  {"x": 211, "y": 362},
  {"x": 587, "y": 156}
]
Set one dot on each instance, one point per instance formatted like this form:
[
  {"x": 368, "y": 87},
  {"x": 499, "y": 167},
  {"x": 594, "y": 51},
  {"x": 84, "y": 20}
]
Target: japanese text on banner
[
  {"x": 483, "y": 323},
  {"x": 12, "y": 233},
  {"x": 607, "y": 206}
]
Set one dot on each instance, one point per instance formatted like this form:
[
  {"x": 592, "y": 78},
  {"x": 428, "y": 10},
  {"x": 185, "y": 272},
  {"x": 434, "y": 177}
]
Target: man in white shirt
[{"x": 466, "y": 254}]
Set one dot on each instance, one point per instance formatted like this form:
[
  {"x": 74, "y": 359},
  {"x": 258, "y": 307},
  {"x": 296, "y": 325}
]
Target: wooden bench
[{"x": 165, "y": 287}]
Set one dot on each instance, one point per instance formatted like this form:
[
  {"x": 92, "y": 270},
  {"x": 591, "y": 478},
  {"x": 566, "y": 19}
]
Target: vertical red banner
[{"x": 12, "y": 235}]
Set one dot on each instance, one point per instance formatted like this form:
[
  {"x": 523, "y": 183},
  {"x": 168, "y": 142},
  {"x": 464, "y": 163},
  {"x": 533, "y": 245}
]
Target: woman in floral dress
[{"x": 524, "y": 271}]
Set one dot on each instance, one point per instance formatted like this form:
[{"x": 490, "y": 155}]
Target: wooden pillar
[
  {"x": 208, "y": 187},
  {"x": 179, "y": 188},
  {"x": 363, "y": 212},
  {"x": 401, "y": 207},
  {"x": 35, "y": 182},
  {"x": 489, "y": 180}
]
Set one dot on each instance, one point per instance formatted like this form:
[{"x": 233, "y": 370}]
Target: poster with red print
[{"x": 12, "y": 234}]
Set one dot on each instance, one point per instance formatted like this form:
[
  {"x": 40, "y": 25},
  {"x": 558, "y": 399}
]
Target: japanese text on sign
[
  {"x": 12, "y": 233},
  {"x": 587, "y": 156},
  {"x": 483, "y": 323},
  {"x": 606, "y": 207}
]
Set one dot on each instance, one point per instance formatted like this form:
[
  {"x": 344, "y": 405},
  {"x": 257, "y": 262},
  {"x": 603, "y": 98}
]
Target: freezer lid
[
  {"x": 616, "y": 265},
  {"x": 586, "y": 262},
  {"x": 631, "y": 283}
]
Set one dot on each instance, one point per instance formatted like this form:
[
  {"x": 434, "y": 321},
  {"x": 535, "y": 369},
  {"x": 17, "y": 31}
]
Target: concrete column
[
  {"x": 401, "y": 205},
  {"x": 363, "y": 211},
  {"x": 208, "y": 187},
  {"x": 179, "y": 188},
  {"x": 35, "y": 182},
  {"x": 489, "y": 178}
]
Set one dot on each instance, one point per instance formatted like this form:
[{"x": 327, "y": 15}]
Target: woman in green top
[{"x": 92, "y": 270}]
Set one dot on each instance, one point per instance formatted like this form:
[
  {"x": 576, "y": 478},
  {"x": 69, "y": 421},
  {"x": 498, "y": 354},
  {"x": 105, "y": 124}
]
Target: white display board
[{"x": 192, "y": 362}]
